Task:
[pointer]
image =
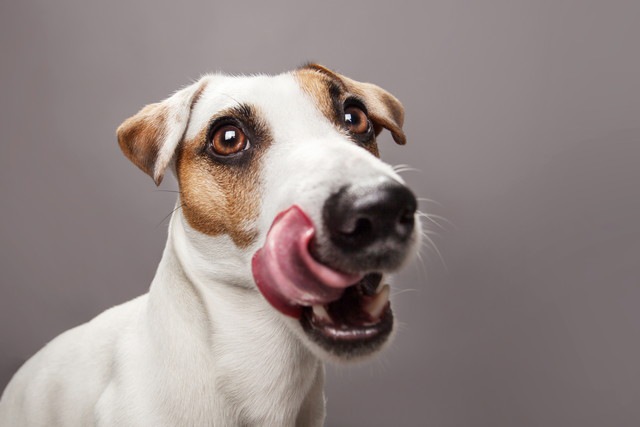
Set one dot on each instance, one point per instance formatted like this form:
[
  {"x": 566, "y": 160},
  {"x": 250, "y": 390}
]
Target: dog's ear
[
  {"x": 385, "y": 111},
  {"x": 149, "y": 138}
]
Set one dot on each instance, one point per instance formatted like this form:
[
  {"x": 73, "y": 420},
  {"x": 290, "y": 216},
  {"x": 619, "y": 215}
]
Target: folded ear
[
  {"x": 385, "y": 111},
  {"x": 149, "y": 138}
]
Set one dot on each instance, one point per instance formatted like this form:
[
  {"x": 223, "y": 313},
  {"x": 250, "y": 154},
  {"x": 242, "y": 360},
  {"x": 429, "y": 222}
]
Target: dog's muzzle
[{"x": 329, "y": 276}]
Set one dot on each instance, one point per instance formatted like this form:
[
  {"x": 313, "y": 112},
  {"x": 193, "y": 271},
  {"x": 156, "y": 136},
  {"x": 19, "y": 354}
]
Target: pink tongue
[{"x": 286, "y": 273}]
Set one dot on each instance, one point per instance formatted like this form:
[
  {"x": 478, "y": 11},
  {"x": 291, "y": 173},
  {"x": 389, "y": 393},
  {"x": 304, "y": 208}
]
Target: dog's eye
[
  {"x": 228, "y": 140},
  {"x": 356, "y": 120}
]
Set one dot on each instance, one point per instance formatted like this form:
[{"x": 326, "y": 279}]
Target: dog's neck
[{"x": 219, "y": 335}]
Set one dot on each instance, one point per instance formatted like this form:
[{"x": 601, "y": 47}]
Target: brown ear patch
[
  {"x": 149, "y": 138},
  {"x": 140, "y": 136},
  {"x": 222, "y": 198}
]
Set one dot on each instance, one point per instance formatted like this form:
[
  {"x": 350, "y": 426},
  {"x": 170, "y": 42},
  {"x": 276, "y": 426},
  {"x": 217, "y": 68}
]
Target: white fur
[{"x": 203, "y": 347}]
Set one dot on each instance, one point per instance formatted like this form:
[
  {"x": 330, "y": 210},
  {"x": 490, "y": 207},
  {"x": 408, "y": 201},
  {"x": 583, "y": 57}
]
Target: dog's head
[{"x": 282, "y": 190}]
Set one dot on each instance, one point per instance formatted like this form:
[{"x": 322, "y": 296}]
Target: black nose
[{"x": 361, "y": 216}]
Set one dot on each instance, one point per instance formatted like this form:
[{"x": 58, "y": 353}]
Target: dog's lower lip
[
  {"x": 359, "y": 316},
  {"x": 348, "y": 341},
  {"x": 353, "y": 334}
]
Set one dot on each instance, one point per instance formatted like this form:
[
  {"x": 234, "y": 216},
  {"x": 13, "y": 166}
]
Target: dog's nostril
[
  {"x": 362, "y": 226},
  {"x": 358, "y": 216},
  {"x": 361, "y": 233}
]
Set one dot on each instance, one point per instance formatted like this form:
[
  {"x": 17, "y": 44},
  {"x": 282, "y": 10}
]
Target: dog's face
[{"x": 282, "y": 191}]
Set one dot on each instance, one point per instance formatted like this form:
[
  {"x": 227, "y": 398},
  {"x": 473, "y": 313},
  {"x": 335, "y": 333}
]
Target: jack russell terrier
[{"x": 287, "y": 222}]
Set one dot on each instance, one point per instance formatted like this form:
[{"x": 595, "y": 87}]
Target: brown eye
[
  {"x": 356, "y": 120},
  {"x": 228, "y": 140}
]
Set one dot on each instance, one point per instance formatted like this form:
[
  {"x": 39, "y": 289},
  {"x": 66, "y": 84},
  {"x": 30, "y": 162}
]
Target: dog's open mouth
[
  {"x": 335, "y": 309},
  {"x": 361, "y": 316}
]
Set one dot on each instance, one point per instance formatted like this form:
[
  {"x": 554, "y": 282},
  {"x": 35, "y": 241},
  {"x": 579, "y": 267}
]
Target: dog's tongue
[{"x": 286, "y": 273}]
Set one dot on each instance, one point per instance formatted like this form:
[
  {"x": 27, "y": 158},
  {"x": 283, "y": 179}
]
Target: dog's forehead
[{"x": 289, "y": 103}]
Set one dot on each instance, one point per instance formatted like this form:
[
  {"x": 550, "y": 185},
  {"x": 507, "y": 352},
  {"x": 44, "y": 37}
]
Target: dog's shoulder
[{"x": 74, "y": 367}]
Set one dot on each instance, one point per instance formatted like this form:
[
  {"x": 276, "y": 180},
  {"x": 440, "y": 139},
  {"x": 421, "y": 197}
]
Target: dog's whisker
[
  {"x": 403, "y": 291},
  {"x": 231, "y": 97},
  {"x": 427, "y": 200},
  {"x": 426, "y": 225},
  {"x": 435, "y": 249},
  {"x": 426, "y": 233},
  {"x": 399, "y": 166},
  {"x": 432, "y": 218},
  {"x": 441, "y": 218},
  {"x": 404, "y": 168},
  {"x": 429, "y": 218},
  {"x": 401, "y": 326},
  {"x": 170, "y": 213},
  {"x": 423, "y": 266},
  {"x": 169, "y": 191}
]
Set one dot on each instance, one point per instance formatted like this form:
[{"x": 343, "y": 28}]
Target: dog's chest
[
  {"x": 266, "y": 376},
  {"x": 267, "y": 387},
  {"x": 265, "y": 391}
]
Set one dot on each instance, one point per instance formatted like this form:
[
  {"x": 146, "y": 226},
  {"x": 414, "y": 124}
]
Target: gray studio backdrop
[{"x": 523, "y": 119}]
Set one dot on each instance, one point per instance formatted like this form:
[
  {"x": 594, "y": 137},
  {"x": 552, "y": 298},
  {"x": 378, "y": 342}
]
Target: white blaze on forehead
[{"x": 281, "y": 103}]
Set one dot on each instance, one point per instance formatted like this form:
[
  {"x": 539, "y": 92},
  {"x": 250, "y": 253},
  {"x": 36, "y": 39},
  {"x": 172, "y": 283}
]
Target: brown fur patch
[
  {"x": 328, "y": 93},
  {"x": 140, "y": 136},
  {"x": 384, "y": 109},
  {"x": 217, "y": 197},
  {"x": 318, "y": 87}
]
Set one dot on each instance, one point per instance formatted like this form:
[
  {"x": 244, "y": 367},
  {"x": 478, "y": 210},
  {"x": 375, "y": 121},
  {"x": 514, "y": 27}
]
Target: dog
[{"x": 287, "y": 224}]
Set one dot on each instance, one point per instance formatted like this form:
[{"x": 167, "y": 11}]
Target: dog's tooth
[
  {"x": 375, "y": 306},
  {"x": 381, "y": 286},
  {"x": 321, "y": 313}
]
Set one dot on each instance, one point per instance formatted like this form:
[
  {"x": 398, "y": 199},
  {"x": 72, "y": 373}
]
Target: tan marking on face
[
  {"x": 372, "y": 147},
  {"x": 220, "y": 198},
  {"x": 319, "y": 86},
  {"x": 385, "y": 110},
  {"x": 139, "y": 136}
]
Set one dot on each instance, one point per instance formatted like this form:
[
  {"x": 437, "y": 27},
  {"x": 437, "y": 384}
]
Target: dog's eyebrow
[
  {"x": 242, "y": 112},
  {"x": 246, "y": 114}
]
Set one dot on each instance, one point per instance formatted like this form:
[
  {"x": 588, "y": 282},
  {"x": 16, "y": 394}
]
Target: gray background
[{"x": 523, "y": 118}]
